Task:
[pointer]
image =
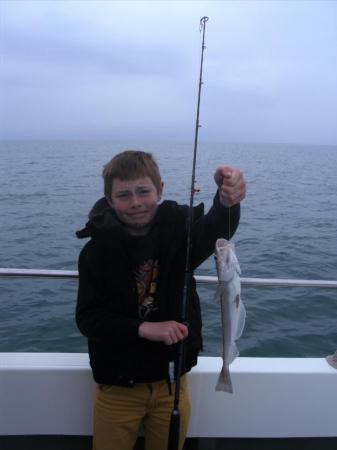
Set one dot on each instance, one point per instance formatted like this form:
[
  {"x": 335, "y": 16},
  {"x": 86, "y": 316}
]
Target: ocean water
[{"x": 288, "y": 229}]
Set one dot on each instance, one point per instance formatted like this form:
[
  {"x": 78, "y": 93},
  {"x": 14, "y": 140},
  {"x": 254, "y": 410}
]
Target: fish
[{"x": 233, "y": 312}]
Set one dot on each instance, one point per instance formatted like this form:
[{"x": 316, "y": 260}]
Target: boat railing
[{"x": 203, "y": 279}]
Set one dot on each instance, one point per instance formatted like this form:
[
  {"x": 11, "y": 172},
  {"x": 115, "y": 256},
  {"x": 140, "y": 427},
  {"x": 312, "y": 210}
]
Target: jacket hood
[{"x": 103, "y": 218}]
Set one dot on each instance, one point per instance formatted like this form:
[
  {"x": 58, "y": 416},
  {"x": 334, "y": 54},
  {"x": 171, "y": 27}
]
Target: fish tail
[{"x": 224, "y": 381}]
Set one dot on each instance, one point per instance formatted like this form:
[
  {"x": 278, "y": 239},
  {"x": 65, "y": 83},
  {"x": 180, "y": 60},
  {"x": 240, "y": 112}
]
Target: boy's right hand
[{"x": 169, "y": 332}]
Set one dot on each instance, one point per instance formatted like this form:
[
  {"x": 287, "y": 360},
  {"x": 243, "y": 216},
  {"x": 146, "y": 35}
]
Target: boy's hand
[
  {"x": 169, "y": 332},
  {"x": 232, "y": 185}
]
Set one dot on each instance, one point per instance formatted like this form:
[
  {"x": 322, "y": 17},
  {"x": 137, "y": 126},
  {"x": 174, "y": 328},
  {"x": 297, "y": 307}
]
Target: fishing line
[
  {"x": 173, "y": 440},
  {"x": 229, "y": 223}
]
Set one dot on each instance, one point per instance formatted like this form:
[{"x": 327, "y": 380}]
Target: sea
[{"x": 288, "y": 229}]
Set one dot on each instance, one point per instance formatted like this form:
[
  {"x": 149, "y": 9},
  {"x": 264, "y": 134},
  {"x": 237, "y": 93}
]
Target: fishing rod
[{"x": 173, "y": 440}]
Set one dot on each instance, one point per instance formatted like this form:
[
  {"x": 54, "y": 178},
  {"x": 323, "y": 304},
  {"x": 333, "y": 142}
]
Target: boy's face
[{"x": 135, "y": 203}]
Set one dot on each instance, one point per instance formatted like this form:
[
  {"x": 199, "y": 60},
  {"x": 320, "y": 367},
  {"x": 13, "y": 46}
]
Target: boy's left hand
[{"x": 231, "y": 184}]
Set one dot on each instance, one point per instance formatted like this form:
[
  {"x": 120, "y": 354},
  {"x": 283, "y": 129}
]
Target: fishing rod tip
[{"x": 203, "y": 21}]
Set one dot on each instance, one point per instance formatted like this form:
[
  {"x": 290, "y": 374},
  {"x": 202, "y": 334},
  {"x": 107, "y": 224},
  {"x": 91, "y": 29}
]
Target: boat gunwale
[{"x": 202, "y": 279}]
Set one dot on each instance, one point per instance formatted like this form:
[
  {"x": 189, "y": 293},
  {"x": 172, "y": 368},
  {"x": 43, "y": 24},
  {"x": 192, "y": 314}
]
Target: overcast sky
[{"x": 128, "y": 70}]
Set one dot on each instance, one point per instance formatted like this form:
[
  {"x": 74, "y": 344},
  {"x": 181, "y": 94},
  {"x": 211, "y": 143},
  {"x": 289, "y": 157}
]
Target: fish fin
[
  {"x": 233, "y": 352},
  {"x": 241, "y": 321},
  {"x": 224, "y": 381}
]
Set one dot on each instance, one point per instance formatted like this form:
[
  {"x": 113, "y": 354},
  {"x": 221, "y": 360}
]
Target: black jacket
[{"x": 107, "y": 304}]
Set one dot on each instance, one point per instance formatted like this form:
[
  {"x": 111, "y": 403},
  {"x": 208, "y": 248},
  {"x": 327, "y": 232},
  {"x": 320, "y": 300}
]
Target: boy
[{"x": 131, "y": 280}]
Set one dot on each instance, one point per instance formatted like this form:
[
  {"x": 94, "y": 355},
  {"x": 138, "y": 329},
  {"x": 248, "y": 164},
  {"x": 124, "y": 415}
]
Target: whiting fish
[{"x": 233, "y": 313}]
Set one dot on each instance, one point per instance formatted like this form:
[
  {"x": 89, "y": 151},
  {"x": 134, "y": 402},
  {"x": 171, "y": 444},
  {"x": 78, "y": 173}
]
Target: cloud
[{"x": 107, "y": 68}]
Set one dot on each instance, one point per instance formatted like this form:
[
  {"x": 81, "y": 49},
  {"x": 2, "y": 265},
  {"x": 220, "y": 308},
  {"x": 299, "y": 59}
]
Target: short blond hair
[{"x": 129, "y": 165}]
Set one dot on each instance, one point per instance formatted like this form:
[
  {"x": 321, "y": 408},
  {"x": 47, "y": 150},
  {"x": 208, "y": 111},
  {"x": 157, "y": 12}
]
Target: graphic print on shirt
[{"x": 146, "y": 279}]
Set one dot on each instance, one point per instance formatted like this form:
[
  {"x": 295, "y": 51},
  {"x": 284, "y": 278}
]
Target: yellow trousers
[{"x": 119, "y": 412}]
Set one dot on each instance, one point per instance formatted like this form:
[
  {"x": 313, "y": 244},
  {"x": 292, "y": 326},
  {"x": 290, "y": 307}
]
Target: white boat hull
[{"x": 52, "y": 394}]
